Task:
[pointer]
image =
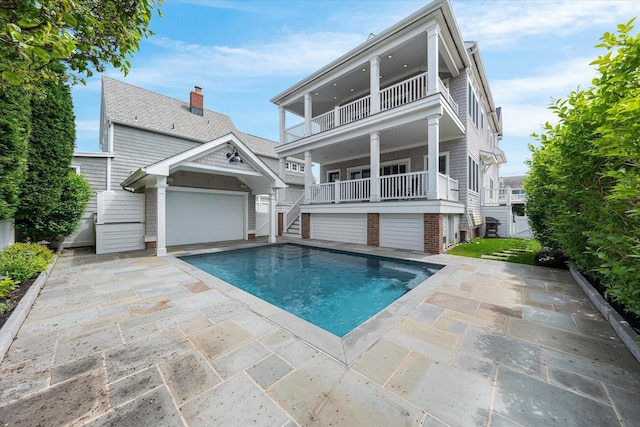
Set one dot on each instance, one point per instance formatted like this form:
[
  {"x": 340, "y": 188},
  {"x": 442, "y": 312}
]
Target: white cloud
[{"x": 508, "y": 22}]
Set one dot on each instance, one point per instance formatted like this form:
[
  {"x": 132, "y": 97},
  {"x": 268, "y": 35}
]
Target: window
[
  {"x": 362, "y": 173},
  {"x": 474, "y": 106},
  {"x": 294, "y": 167},
  {"x": 301, "y": 168},
  {"x": 443, "y": 163},
  {"x": 287, "y": 165},
  {"x": 333, "y": 176},
  {"x": 473, "y": 175},
  {"x": 393, "y": 169}
]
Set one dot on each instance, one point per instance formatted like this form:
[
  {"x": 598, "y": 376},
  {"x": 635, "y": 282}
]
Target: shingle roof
[{"x": 135, "y": 106}]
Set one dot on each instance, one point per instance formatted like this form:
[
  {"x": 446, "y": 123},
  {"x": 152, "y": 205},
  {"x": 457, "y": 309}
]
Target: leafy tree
[
  {"x": 84, "y": 34},
  {"x": 15, "y": 112},
  {"x": 51, "y": 146},
  {"x": 584, "y": 182}
]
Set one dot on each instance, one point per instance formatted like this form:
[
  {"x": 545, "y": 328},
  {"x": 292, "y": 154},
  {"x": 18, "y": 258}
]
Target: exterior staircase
[{"x": 294, "y": 228}]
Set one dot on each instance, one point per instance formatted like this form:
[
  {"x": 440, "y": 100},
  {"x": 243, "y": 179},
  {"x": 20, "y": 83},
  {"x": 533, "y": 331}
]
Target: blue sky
[{"x": 242, "y": 53}]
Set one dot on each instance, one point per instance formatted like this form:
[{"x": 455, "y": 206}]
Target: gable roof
[{"x": 130, "y": 105}]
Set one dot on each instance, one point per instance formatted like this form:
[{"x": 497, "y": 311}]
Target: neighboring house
[
  {"x": 406, "y": 134},
  {"x": 172, "y": 173}
]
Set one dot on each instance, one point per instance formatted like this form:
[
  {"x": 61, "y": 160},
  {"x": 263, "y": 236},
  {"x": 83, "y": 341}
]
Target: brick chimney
[{"x": 197, "y": 101}]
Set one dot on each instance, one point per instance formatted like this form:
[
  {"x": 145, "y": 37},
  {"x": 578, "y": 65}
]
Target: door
[{"x": 200, "y": 217}]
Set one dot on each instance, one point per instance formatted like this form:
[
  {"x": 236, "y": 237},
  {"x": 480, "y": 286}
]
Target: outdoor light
[{"x": 234, "y": 157}]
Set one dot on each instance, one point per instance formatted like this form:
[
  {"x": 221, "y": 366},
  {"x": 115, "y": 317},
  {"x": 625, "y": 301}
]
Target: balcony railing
[
  {"x": 394, "y": 96},
  {"x": 406, "y": 186},
  {"x": 503, "y": 196}
]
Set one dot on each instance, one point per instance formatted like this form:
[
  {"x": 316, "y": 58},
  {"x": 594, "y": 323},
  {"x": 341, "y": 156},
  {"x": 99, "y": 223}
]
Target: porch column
[
  {"x": 161, "y": 216},
  {"x": 283, "y": 124},
  {"x": 432, "y": 59},
  {"x": 308, "y": 176},
  {"x": 273, "y": 216},
  {"x": 282, "y": 192},
  {"x": 374, "y": 83},
  {"x": 374, "y": 160},
  {"x": 307, "y": 114},
  {"x": 433, "y": 152}
]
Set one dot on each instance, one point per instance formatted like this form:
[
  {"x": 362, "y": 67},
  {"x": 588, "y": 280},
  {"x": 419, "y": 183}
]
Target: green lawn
[{"x": 478, "y": 247}]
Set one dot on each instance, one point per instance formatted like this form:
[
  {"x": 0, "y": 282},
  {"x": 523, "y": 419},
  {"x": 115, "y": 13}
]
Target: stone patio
[{"x": 133, "y": 339}]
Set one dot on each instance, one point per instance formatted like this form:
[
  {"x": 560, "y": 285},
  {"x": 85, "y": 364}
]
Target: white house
[
  {"x": 172, "y": 172},
  {"x": 406, "y": 134}
]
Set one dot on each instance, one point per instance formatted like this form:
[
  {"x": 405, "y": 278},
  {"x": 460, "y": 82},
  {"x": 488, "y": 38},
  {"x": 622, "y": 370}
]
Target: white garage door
[
  {"x": 195, "y": 217},
  {"x": 346, "y": 228},
  {"x": 402, "y": 231}
]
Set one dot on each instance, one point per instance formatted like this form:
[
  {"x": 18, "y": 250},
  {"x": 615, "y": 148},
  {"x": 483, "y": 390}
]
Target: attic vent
[{"x": 196, "y": 101}]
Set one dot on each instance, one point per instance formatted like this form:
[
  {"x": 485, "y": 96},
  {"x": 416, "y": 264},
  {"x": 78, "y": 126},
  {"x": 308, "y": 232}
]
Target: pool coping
[{"x": 347, "y": 349}]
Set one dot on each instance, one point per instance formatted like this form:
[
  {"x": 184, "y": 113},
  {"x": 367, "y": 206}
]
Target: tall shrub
[
  {"x": 584, "y": 182},
  {"x": 15, "y": 126},
  {"x": 51, "y": 146}
]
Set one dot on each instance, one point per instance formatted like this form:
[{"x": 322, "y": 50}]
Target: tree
[
  {"x": 84, "y": 34},
  {"x": 15, "y": 114},
  {"x": 584, "y": 182},
  {"x": 51, "y": 146}
]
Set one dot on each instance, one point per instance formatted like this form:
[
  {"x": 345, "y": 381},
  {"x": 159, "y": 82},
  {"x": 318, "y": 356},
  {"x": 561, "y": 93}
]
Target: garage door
[
  {"x": 346, "y": 228},
  {"x": 195, "y": 217},
  {"x": 402, "y": 231}
]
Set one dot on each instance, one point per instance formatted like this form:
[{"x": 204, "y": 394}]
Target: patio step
[{"x": 496, "y": 257}]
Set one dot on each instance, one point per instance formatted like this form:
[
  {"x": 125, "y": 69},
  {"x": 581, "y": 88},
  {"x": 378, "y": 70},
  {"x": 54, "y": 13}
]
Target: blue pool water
[{"x": 334, "y": 290}]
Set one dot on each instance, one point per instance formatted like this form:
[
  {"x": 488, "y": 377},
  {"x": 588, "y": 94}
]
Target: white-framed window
[
  {"x": 287, "y": 166},
  {"x": 393, "y": 167},
  {"x": 75, "y": 168},
  {"x": 301, "y": 168},
  {"x": 473, "y": 174},
  {"x": 333, "y": 175},
  {"x": 294, "y": 167},
  {"x": 474, "y": 106},
  {"x": 443, "y": 162}
]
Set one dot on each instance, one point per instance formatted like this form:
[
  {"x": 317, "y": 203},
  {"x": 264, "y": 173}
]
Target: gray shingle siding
[{"x": 94, "y": 169}]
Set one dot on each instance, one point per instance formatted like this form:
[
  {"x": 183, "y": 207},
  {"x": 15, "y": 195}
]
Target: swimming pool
[{"x": 334, "y": 290}]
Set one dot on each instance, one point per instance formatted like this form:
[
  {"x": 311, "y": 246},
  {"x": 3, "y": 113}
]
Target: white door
[
  {"x": 200, "y": 217},
  {"x": 402, "y": 231},
  {"x": 346, "y": 228},
  {"x": 521, "y": 227}
]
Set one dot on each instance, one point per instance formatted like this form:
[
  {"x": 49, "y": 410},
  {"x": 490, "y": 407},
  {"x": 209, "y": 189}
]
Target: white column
[
  {"x": 308, "y": 176},
  {"x": 283, "y": 124},
  {"x": 308, "y": 111},
  {"x": 336, "y": 116},
  {"x": 374, "y": 83},
  {"x": 273, "y": 216},
  {"x": 281, "y": 173},
  {"x": 433, "y": 141},
  {"x": 432, "y": 59},
  {"x": 374, "y": 160},
  {"x": 161, "y": 215}
]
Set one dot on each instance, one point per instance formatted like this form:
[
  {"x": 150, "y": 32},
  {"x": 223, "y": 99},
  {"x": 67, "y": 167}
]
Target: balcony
[
  {"x": 503, "y": 196},
  {"x": 397, "y": 95},
  {"x": 408, "y": 186}
]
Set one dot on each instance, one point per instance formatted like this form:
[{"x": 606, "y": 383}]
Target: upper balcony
[{"x": 391, "y": 97}]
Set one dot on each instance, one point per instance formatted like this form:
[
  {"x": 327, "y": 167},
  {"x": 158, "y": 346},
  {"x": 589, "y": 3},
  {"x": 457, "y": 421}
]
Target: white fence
[{"x": 120, "y": 222}]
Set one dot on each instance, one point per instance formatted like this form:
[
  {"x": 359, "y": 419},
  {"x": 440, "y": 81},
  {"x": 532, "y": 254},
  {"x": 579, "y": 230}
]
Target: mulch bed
[{"x": 15, "y": 298}]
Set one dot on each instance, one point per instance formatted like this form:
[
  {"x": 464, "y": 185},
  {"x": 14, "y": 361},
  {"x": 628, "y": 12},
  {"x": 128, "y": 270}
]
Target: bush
[
  {"x": 22, "y": 261},
  {"x": 7, "y": 284}
]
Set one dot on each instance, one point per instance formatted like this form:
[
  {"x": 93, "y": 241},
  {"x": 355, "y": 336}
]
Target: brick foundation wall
[
  {"x": 373, "y": 229},
  {"x": 306, "y": 225},
  {"x": 433, "y": 233},
  {"x": 280, "y": 223},
  {"x": 251, "y": 236},
  {"x": 150, "y": 245}
]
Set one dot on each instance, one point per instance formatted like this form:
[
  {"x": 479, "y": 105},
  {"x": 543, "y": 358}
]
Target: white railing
[
  {"x": 404, "y": 186},
  {"x": 356, "y": 110},
  {"x": 447, "y": 187},
  {"x": 412, "y": 185},
  {"x": 291, "y": 215},
  {"x": 503, "y": 196},
  {"x": 291, "y": 195},
  {"x": 323, "y": 193},
  {"x": 445, "y": 91},
  {"x": 294, "y": 133},
  {"x": 404, "y": 92},
  {"x": 323, "y": 122},
  {"x": 355, "y": 190}
]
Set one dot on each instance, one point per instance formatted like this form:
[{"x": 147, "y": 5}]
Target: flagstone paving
[{"x": 132, "y": 339}]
